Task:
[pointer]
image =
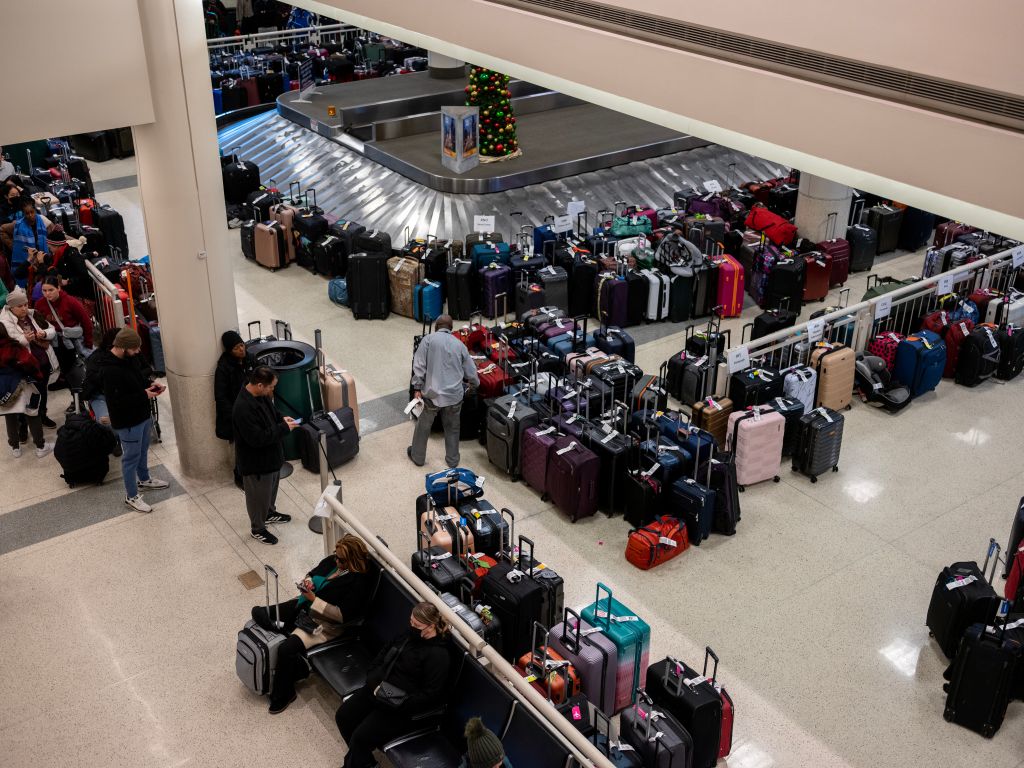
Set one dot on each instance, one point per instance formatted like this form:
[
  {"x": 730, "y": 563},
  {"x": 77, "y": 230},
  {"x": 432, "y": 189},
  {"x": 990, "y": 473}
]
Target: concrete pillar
[
  {"x": 183, "y": 206},
  {"x": 445, "y": 67},
  {"x": 818, "y": 198}
]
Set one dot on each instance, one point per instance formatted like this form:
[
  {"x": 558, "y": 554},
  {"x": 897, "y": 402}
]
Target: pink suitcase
[
  {"x": 576, "y": 362},
  {"x": 755, "y": 439},
  {"x": 730, "y": 286}
]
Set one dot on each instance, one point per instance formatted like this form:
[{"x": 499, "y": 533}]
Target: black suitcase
[
  {"x": 705, "y": 289},
  {"x": 82, "y": 449},
  {"x": 979, "y": 357},
  {"x": 727, "y": 492},
  {"x": 954, "y": 608},
  {"x": 680, "y": 298},
  {"x": 369, "y": 293},
  {"x": 260, "y": 202},
  {"x": 309, "y": 221},
  {"x": 695, "y": 704},
  {"x": 982, "y": 678},
  {"x": 247, "y": 233},
  {"x": 517, "y": 603},
  {"x": 529, "y": 296},
  {"x": 109, "y": 222},
  {"x": 507, "y": 419},
  {"x": 491, "y": 531},
  {"x": 772, "y": 320},
  {"x": 556, "y": 287},
  {"x": 659, "y": 739},
  {"x": 241, "y": 178},
  {"x": 786, "y": 284},
  {"x": 818, "y": 443},
  {"x": 637, "y": 289},
  {"x": 552, "y": 604},
  {"x": 346, "y": 230},
  {"x": 329, "y": 256},
  {"x": 437, "y": 566},
  {"x": 269, "y": 85},
  {"x": 916, "y": 229},
  {"x": 886, "y": 221},
  {"x": 754, "y": 386},
  {"x": 792, "y": 410},
  {"x": 620, "y": 376},
  {"x": 372, "y": 241},
  {"x": 863, "y": 247},
  {"x": 459, "y": 280},
  {"x": 613, "y": 451},
  {"x": 342, "y": 438},
  {"x": 95, "y": 146},
  {"x": 581, "y": 288},
  {"x": 782, "y": 200}
]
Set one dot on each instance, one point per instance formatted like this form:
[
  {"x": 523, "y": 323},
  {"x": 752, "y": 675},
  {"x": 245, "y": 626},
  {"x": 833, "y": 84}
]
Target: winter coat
[
  {"x": 42, "y": 327},
  {"x": 227, "y": 383},
  {"x": 421, "y": 670},
  {"x": 258, "y": 429},
  {"x": 71, "y": 312}
]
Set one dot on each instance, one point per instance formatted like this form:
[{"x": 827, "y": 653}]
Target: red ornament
[{"x": 500, "y": 147}]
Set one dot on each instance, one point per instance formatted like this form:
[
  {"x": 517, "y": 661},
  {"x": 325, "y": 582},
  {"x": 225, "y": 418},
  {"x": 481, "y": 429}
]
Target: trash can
[{"x": 298, "y": 389}]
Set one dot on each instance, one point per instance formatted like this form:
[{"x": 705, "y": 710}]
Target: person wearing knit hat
[
  {"x": 31, "y": 330},
  {"x": 128, "y": 390},
  {"x": 483, "y": 748},
  {"x": 228, "y": 380}
]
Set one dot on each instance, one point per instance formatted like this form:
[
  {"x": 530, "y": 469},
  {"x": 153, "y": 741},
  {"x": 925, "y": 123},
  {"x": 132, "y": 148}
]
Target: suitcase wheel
[
  {"x": 849, "y": 406},
  {"x": 835, "y": 468},
  {"x": 988, "y": 731},
  {"x": 741, "y": 488},
  {"x": 814, "y": 479},
  {"x": 947, "y": 714},
  {"x": 777, "y": 479}
]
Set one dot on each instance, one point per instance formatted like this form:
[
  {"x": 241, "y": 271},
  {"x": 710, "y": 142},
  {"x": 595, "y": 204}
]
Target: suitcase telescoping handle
[
  {"x": 308, "y": 192},
  {"x": 259, "y": 329},
  {"x": 296, "y": 196},
  {"x": 709, "y": 654},
  {"x": 522, "y": 549},
  {"x": 505, "y": 545},
  {"x": 646, "y": 717},
  {"x": 991, "y": 554},
  {"x": 572, "y": 637},
  {"x": 268, "y": 571},
  {"x": 540, "y": 640},
  {"x": 606, "y": 620},
  {"x": 599, "y": 719}
]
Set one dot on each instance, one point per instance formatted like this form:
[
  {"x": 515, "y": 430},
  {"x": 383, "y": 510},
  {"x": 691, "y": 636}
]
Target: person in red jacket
[
  {"x": 67, "y": 314},
  {"x": 17, "y": 362}
]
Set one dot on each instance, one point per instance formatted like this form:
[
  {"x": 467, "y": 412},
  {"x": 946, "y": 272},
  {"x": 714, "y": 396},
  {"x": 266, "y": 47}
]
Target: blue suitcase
[
  {"x": 542, "y": 235},
  {"x": 700, "y": 446},
  {"x": 671, "y": 460},
  {"x": 615, "y": 341},
  {"x": 693, "y": 503},
  {"x": 427, "y": 301},
  {"x": 564, "y": 345},
  {"x": 920, "y": 361},
  {"x": 483, "y": 254}
]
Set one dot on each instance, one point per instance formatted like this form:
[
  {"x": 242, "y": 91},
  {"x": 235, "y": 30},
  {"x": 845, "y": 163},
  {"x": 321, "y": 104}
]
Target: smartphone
[
  {"x": 301, "y": 586},
  {"x": 297, "y": 421}
]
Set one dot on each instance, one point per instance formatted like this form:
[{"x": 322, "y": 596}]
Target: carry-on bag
[
  {"x": 620, "y": 754},
  {"x": 979, "y": 356},
  {"x": 920, "y": 362},
  {"x": 631, "y": 636},
  {"x": 791, "y": 409},
  {"x": 836, "y": 368},
  {"x": 572, "y": 477},
  {"x": 659, "y": 739},
  {"x": 818, "y": 443},
  {"x": 342, "y": 438},
  {"x": 755, "y": 441},
  {"x": 886, "y": 221},
  {"x": 507, "y": 418},
  {"x": 982, "y": 678},
  {"x": 713, "y": 416},
  {"x": 535, "y": 453},
  {"x": 592, "y": 654},
  {"x": 693, "y": 700},
  {"x": 515, "y": 599},
  {"x": 437, "y": 566},
  {"x": 963, "y": 595},
  {"x": 269, "y": 245},
  {"x": 693, "y": 502},
  {"x": 800, "y": 383},
  {"x": 817, "y": 276},
  {"x": 727, "y": 493},
  {"x": 656, "y": 543},
  {"x": 546, "y": 670},
  {"x": 492, "y": 529},
  {"x": 368, "y": 286},
  {"x": 256, "y": 648}
]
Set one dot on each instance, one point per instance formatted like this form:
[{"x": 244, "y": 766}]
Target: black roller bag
[
  {"x": 342, "y": 438},
  {"x": 82, "y": 449},
  {"x": 819, "y": 441},
  {"x": 691, "y": 698},
  {"x": 516, "y": 602},
  {"x": 982, "y": 678},
  {"x": 792, "y": 410},
  {"x": 369, "y": 293},
  {"x": 962, "y": 596}
]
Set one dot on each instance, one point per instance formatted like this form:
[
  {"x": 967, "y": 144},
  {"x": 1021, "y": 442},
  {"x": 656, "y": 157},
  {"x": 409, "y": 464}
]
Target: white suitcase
[
  {"x": 1009, "y": 309},
  {"x": 800, "y": 383},
  {"x": 657, "y": 296}
]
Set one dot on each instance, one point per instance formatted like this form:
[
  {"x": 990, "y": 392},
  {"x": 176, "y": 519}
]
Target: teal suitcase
[{"x": 632, "y": 638}]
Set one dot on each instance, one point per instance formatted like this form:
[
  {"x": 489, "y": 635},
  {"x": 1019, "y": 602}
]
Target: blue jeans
[
  {"x": 100, "y": 410},
  {"x": 135, "y": 459}
]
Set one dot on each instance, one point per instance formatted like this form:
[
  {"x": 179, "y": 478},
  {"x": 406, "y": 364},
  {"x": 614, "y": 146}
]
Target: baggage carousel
[
  {"x": 350, "y": 185},
  {"x": 396, "y": 122}
]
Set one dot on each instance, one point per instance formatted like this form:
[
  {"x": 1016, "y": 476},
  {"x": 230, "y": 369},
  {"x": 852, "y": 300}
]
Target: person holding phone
[
  {"x": 127, "y": 391},
  {"x": 258, "y": 429},
  {"x": 25, "y": 237}
]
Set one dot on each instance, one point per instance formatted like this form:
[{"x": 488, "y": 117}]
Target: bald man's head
[{"x": 444, "y": 321}]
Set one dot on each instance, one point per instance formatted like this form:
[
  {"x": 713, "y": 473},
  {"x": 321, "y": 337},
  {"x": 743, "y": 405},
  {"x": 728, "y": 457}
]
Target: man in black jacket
[
  {"x": 228, "y": 381},
  {"x": 128, "y": 390},
  {"x": 258, "y": 430}
]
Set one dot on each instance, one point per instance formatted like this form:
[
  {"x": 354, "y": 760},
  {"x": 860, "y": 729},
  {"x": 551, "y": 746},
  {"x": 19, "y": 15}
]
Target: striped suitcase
[
  {"x": 632, "y": 638},
  {"x": 730, "y": 286}
]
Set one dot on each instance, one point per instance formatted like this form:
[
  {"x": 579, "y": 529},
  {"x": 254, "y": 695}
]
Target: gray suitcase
[
  {"x": 507, "y": 419},
  {"x": 256, "y": 649},
  {"x": 556, "y": 286},
  {"x": 594, "y": 656},
  {"x": 658, "y": 737}
]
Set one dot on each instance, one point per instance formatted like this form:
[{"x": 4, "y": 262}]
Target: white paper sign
[
  {"x": 483, "y": 224},
  {"x": 883, "y": 307},
  {"x": 1018, "y": 257},
  {"x": 576, "y": 207},
  {"x": 739, "y": 359},
  {"x": 562, "y": 224},
  {"x": 815, "y": 330},
  {"x": 314, "y": 126},
  {"x": 712, "y": 186},
  {"x": 945, "y": 285}
]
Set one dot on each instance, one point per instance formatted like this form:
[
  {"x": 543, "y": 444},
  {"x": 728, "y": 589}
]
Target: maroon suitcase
[
  {"x": 949, "y": 231},
  {"x": 534, "y": 454},
  {"x": 839, "y": 250},
  {"x": 572, "y": 477},
  {"x": 817, "y": 276}
]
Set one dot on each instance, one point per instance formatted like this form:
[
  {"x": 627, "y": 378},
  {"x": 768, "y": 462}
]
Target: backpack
[{"x": 83, "y": 448}]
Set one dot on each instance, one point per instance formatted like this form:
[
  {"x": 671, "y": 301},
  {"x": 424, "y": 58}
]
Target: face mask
[{"x": 415, "y": 633}]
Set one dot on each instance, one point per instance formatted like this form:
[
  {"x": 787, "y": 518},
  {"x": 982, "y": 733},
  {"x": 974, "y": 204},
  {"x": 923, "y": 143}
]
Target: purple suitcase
[
  {"x": 572, "y": 477},
  {"x": 613, "y": 302},
  {"x": 534, "y": 454},
  {"x": 594, "y": 656},
  {"x": 497, "y": 290},
  {"x": 558, "y": 328},
  {"x": 570, "y": 423}
]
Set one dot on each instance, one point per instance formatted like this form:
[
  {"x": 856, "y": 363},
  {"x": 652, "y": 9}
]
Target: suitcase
[
  {"x": 659, "y": 739},
  {"x": 558, "y": 685},
  {"x": 693, "y": 700},
  {"x": 581, "y": 287},
  {"x": 437, "y": 566},
  {"x": 650, "y": 390},
  {"x": 555, "y": 281},
  {"x": 1011, "y": 352},
  {"x": 329, "y": 257},
  {"x": 516, "y": 603},
  {"x": 463, "y": 606},
  {"x": 284, "y": 214},
  {"x": 240, "y": 177},
  {"x": 342, "y": 438},
  {"x": 817, "y": 276},
  {"x": 730, "y": 286},
  {"x": 785, "y": 283},
  {"x": 836, "y": 366},
  {"x": 694, "y": 503},
  {"x": 535, "y": 454},
  {"x": 979, "y": 356},
  {"x": 754, "y": 386},
  {"x": 949, "y": 231},
  {"x": 372, "y": 241},
  {"x": 884, "y": 345},
  {"x": 755, "y": 441},
  {"x": 632, "y": 640},
  {"x": 920, "y": 362},
  {"x": 528, "y": 296},
  {"x": 247, "y": 233},
  {"x": 839, "y": 250},
  {"x": 111, "y": 226},
  {"x": 982, "y": 678},
  {"x": 612, "y": 300},
  {"x": 403, "y": 276},
  {"x": 592, "y": 654},
  {"x": 572, "y": 477},
  {"x": 618, "y": 754},
  {"x": 915, "y": 229},
  {"x": 727, "y": 496},
  {"x": 256, "y": 648},
  {"x": 713, "y": 416},
  {"x": 492, "y": 530},
  {"x": 863, "y": 242},
  {"x": 507, "y": 418},
  {"x": 615, "y": 341},
  {"x": 818, "y": 443},
  {"x": 953, "y": 334},
  {"x": 1016, "y": 538},
  {"x": 269, "y": 245},
  {"x": 658, "y": 295},
  {"x": 800, "y": 383},
  {"x": 368, "y": 286},
  {"x": 657, "y": 542},
  {"x": 772, "y": 321},
  {"x": 1009, "y": 310},
  {"x": 963, "y": 595},
  {"x": 459, "y": 279},
  {"x": 792, "y": 410},
  {"x": 427, "y": 301},
  {"x": 496, "y": 290},
  {"x": 886, "y": 221}
]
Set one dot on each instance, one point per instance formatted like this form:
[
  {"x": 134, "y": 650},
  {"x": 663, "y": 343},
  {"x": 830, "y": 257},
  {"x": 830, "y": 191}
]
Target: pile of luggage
[
  {"x": 591, "y": 665},
  {"x": 982, "y": 634}
]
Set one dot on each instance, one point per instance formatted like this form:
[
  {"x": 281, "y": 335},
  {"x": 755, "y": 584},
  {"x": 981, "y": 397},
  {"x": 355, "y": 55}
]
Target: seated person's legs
[{"x": 265, "y": 617}]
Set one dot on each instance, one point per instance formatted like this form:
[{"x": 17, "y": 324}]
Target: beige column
[
  {"x": 818, "y": 199},
  {"x": 183, "y": 206},
  {"x": 445, "y": 67}
]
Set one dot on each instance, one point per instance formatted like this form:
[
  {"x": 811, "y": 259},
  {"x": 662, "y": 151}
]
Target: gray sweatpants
[
  {"x": 450, "y": 419},
  {"x": 260, "y": 497}
]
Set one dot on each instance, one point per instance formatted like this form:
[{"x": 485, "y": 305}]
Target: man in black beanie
[{"x": 228, "y": 380}]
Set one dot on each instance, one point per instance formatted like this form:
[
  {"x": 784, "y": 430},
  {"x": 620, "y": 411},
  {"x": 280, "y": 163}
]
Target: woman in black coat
[
  {"x": 414, "y": 666},
  {"x": 229, "y": 379}
]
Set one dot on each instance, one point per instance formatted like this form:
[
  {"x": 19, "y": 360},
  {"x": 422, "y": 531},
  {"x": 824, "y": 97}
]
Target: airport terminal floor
[{"x": 119, "y": 627}]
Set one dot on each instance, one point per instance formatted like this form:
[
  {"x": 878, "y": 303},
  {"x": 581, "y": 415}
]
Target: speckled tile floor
[{"x": 118, "y": 637}]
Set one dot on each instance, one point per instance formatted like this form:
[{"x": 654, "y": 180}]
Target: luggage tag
[
  {"x": 824, "y": 413},
  {"x": 1007, "y": 627},
  {"x": 654, "y": 468},
  {"x": 567, "y": 448},
  {"x": 336, "y": 421},
  {"x": 512, "y": 408},
  {"x": 667, "y": 541},
  {"x": 609, "y": 437},
  {"x": 711, "y": 402},
  {"x": 961, "y": 582},
  {"x": 963, "y": 327},
  {"x": 547, "y": 431}
]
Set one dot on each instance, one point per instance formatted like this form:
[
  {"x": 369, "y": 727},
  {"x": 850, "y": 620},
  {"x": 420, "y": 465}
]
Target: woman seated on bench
[
  {"x": 334, "y": 592},
  {"x": 407, "y": 678}
]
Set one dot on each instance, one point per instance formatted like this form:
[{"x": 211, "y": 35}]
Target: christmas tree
[{"x": 488, "y": 90}]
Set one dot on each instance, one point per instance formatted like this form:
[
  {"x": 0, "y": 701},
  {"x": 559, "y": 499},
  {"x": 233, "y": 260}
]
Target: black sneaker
[
  {"x": 49, "y": 423},
  {"x": 278, "y": 708},
  {"x": 278, "y": 517},
  {"x": 264, "y": 535}
]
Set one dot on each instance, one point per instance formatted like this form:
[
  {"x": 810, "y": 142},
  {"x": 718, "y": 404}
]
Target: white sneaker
[
  {"x": 16, "y": 452},
  {"x": 138, "y": 504},
  {"x": 153, "y": 484},
  {"x": 45, "y": 450}
]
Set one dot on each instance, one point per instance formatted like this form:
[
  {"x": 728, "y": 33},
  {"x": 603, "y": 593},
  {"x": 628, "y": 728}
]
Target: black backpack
[{"x": 82, "y": 449}]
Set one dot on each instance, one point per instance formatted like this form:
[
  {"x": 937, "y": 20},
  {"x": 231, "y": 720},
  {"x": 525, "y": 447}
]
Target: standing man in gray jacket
[{"x": 441, "y": 369}]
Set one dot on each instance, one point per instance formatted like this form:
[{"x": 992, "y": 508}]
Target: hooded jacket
[
  {"x": 71, "y": 312},
  {"x": 228, "y": 381}
]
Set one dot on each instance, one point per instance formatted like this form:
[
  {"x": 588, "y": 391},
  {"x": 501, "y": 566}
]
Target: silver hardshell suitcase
[{"x": 256, "y": 650}]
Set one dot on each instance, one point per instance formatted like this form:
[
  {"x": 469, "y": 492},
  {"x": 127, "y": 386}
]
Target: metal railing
[
  {"x": 110, "y": 307},
  {"x": 899, "y": 310},
  {"x": 581, "y": 749},
  {"x": 291, "y": 38}
]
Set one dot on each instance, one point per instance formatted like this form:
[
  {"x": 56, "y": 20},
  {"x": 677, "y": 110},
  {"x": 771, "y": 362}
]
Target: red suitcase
[
  {"x": 492, "y": 379},
  {"x": 817, "y": 276},
  {"x": 535, "y": 453},
  {"x": 728, "y": 712},
  {"x": 839, "y": 250},
  {"x": 884, "y": 346},
  {"x": 953, "y": 332},
  {"x": 949, "y": 231},
  {"x": 572, "y": 477},
  {"x": 730, "y": 286},
  {"x": 982, "y": 298}
]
